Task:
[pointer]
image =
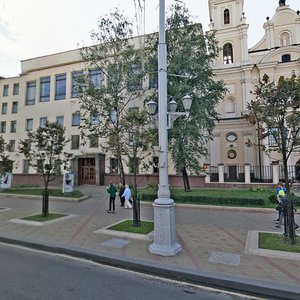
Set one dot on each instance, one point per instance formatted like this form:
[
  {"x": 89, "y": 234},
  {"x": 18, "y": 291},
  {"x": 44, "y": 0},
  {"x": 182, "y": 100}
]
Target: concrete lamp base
[{"x": 165, "y": 243}]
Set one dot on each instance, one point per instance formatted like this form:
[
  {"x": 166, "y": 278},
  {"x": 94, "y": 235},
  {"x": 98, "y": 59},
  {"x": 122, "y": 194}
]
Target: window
[
  {"x": 14, "y": 108},
  {"x": 114, "y": 78},
  {"x": 57, "y": 166},
  {"x": 13, "y": 126},
  {"x": 76, "y": 77},
  {"x": 76, "y": 119},
  {"x": 230, "y": 106},
  {"x": 113, "y": 165},
  {"x": 75, "y": 142},
  {"x": 153, "y": 80},
  {"x": 30, "y": 94},
  {"x": 3, "y": 127},
  {"x": 133, "y": 165},
  {"x": 25, "y": 166},
  {"x": 94, "y": 119},
  {"x": 4, "y": 108},
  {"x": 231, "y": 137},
  {"x": 95, "y": 78},
  {"x": 29, "y": 124},
  {"x": 11, "y": 146},
  {"x": 226, "y": 16},
  {"x": 134, "y": 78},
  {"x": 133, "y": 109},
  {"x": 227, "y": 54},
  {"x": 5, "y": 90},
  {"x": 286, "y": 58},
  {"x": 155, "y": 164},
  {"x": 94, "y": 142},
  {"x": 60, "y": 87},
  {"x": 273, "y": 137},
  {"x": 45, "y": 89},
  {"x": 43, "y": 121},
  {"x": 16, "y": 89},
  {"x": 60, "y": 120}
]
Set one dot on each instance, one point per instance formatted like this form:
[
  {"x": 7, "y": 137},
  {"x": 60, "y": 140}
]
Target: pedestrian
[
  {"x": 127, "y": 196},
  {"x": 112, "y": 190},
  {"x": 281, "y": 202},
  {"x": 280, "y": 187},
  {"x": 121, "y": 191}
]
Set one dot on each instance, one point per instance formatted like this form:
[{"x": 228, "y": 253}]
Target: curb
[{"x": 227, "y": 282}]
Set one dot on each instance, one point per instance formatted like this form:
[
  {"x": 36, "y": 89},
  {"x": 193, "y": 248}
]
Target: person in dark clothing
[
  {"x": 112, "y": 190},
  {"x": 121, "y": 191}
]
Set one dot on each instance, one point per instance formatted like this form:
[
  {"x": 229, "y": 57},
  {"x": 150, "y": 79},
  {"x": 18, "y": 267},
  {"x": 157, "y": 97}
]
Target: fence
[{"x": 257, "y": 173}]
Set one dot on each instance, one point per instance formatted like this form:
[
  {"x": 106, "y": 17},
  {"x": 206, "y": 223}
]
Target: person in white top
[{"x": 127, "y": 196}]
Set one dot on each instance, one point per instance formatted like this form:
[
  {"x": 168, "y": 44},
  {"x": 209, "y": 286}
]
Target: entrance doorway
[
  {"x": 232, "y": 170},
  {"x": 87, "y": 172}
]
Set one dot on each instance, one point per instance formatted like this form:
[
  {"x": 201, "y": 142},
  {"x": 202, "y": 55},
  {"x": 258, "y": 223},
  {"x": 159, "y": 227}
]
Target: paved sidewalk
[{"x": 213, "y": 241}]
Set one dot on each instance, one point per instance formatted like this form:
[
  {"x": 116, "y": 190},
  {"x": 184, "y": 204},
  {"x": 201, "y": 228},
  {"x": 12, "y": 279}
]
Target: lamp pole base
[{"x": 165, "y": 243}]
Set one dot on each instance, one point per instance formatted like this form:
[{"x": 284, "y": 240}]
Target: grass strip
[
  {"x": 273, "y": 241},
  {"x": 39, "y": 192},
  {"x": 41, "y": 218},
  {"x": 127, "y": 226}
]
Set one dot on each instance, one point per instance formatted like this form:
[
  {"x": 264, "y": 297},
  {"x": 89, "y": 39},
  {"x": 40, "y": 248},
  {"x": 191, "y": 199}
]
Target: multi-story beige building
[{"x": 45, "y": 91}]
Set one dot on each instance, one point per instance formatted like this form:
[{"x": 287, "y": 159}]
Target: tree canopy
[{"x": 190, "y": 53}]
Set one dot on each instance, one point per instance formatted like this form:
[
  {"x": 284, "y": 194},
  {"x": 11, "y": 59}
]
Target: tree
[
  {"x": 103, "y": 108},
  {"x": 5, "y": 162},
  {"x": 276, "y": 114},
  {"x": 108, "y": 111},
  {"x": 190, "y": 55},
  {"x": 44, "y": 151}
]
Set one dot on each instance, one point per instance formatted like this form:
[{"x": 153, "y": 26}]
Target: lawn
[
  {"x": 41, "y": 218},
  {"x": 127, "y": 225},
  {"x": 39, "y": 192},
  {"x": 272, "y": 241}
]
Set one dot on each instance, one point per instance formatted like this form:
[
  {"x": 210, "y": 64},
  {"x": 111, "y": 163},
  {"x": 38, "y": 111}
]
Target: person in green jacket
[{"x": 112, "y": 190}]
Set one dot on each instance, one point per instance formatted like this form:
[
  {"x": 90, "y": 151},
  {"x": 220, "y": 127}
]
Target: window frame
[
  {"x": 45, "y": 88},
  {"x": 60, "y": 86},
  {"x": 30, "y": 92}
]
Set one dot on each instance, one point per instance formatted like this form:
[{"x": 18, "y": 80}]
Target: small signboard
[
  {"x": 5, "y": 181},
  {"x": 68, "y": 183}
]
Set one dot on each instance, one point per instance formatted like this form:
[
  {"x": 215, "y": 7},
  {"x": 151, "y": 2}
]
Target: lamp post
[{"x": 165, "y": 243}]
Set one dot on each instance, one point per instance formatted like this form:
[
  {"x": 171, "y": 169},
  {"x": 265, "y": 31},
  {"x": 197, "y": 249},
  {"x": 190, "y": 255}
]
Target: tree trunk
[
  {"x": 136, "y": 204},
  {"x": 185, "y": 178}
]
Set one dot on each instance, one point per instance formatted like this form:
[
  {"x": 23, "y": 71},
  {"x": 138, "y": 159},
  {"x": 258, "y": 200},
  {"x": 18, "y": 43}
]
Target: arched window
[
  {"x": 227, "y": 54},
  {"x": 285, "y": 39},
  {"x": 230, "y": 106},
  {"x": 226, "y": 16}
]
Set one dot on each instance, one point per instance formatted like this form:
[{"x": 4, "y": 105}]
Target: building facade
[
  {"x": 45, "y": 91},
  {"x": 276, "y": 54}
]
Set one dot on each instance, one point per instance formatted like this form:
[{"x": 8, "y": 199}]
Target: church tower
[{"x": 227, "y": 20}]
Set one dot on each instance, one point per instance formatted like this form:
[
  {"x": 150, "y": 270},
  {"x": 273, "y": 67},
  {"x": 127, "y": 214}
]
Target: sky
[{"x": 32, "y": 28}]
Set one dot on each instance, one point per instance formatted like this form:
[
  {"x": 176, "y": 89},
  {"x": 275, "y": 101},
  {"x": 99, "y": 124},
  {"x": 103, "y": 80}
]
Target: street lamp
[{"x": 165, "y": 243}]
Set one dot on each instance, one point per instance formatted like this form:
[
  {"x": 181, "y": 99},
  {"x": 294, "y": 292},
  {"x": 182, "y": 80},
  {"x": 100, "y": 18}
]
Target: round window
[
  {"x": 231, "y": 137},
  {"x": 231, "y": 154}
]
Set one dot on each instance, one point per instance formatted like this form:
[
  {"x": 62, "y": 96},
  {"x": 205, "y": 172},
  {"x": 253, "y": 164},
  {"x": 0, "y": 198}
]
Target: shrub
[{"x": 230, "y": 201}]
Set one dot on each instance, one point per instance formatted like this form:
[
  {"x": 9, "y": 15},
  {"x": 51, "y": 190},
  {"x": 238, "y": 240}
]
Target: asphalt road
[{"x": 27, "y": 274}]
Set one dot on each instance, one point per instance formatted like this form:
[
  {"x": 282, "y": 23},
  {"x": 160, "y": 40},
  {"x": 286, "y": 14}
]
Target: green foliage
[
  {"x": 275, "y": 113},
  {"x": 5, "y": 162},
  {"x": 124, "y": 128},
  {"x": 211, "y": 200},
  {"x": 44, "y": 150},
  {"x": 189, "y": 57},
  {"x": 261, "y": 189},
  {"x": 273, "y": 241},
  {"x": 127, "y": 226}
]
